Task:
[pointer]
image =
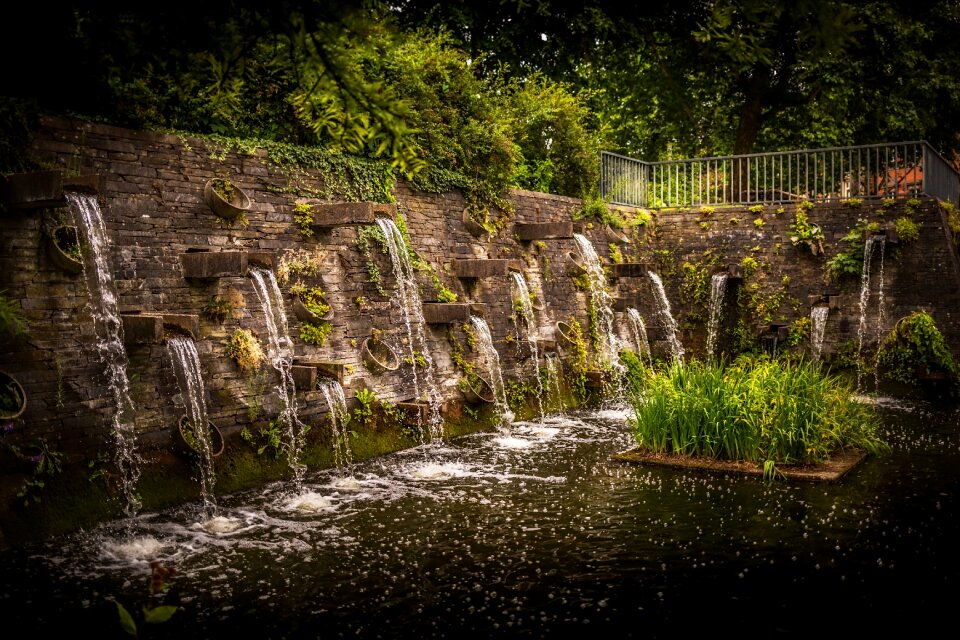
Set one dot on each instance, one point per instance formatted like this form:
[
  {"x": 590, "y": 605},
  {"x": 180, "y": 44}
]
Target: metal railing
[{"x": 902, "y": 169}]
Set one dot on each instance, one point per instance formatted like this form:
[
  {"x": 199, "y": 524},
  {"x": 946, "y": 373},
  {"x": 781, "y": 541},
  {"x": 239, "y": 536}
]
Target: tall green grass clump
[{"x": 757, "y": 410}]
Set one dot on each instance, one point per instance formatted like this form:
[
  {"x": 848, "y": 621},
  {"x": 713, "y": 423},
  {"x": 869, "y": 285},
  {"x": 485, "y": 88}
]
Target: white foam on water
[
  {"x": 309, "y": 502},
  {"x": 139, "y": 549},
  {"x": 439, "y": 471},
  {"x": 509, "y": 442},
  {"x": 221, "y": 524}
]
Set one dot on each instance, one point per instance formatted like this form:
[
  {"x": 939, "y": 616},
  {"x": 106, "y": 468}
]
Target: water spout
[
  {"x": 492, "y": 359},
  {"x": 640, "y": 334},
  {"x": 337, "y": 405},
  {"x": 818, "y": 324},
  {"x": 408, "y": 300},
  {"x": 601, "y": 302},
  {"x": 109, "y": 333},
  {"x": 280, "y": 353},
  {"x": 532, "y": 332},
  {"x": 869, "y": 248},
  {"x": 186, "y": 368},
  {"x": 718, "y": 290},
  {"x": 666, "y": 317}
]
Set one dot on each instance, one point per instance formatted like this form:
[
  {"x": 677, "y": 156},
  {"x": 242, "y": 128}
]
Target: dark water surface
[{"x": 532, "y": 533}]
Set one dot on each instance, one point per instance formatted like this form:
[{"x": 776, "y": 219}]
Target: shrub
[
  {"x": 907, "y": 230},
  {"x": 245, "y": 349},
  {"x": 915, "y": 344}
]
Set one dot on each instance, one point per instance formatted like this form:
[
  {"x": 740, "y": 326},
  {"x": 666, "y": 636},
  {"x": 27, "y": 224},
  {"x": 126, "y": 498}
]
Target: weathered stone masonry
[{"x": 152, "y": 203}]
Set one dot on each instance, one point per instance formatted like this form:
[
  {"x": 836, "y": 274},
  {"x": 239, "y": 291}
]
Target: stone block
[
  {"x": 445, "y": 313},
  {"x": 351, "y": 214},
  {"x": 333, "y": 370},
  {"x": 629, "y": 270},
  {"x": 213, "y": 264},
  {"x": 32, "y": 190},
  {"x": 183, "y": 323},
  {"x": 141, "y": 328},
  {"x": 481, "y": 268},
  {"x": 543, "y": 230},
  {"x": 304, "y": 377}
]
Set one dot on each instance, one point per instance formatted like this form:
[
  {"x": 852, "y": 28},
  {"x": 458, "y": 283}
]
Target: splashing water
[
  {"x": 337, "y": 405},
  {"x": 492, "y": 359},
  {"x": 666, "y": 317},
  {"x": 530, "y": 322},
  {"x": 718, "y": 290},
  {"x": 186, "y": 368},
  {"x": 818, "y": 325},
  {"x": 601, "y": 302},
  {"x": 640, "y": 334},
  {"x": 408, "y": 299},
  {"x": 868, "y": 250},
  {"x": 109, "y": 333},
  {"x": 280, "y": 353}
]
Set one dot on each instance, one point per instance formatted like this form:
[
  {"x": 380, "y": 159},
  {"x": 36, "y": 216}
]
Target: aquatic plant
[{"x": 757, "y": 410}]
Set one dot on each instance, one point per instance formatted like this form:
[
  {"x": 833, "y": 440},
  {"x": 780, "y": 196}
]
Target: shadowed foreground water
[{"x": 535, "y": 532}]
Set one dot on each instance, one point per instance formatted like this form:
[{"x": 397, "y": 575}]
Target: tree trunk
[{"x": 751, "y": 117}]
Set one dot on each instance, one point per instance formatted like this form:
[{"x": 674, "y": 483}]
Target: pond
[{"x": 531, "y": 532}]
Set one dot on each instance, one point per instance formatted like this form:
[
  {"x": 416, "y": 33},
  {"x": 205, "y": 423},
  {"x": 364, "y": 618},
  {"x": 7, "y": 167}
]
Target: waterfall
[
  {"x": 640, "y": 334},
  {"x": 337, "y": 405},
  {"x": 818, "y": 324},
  {"x": 280, "y": 353},
  {"x": 490, "y": 356},
  {"x": 530, "y": 322},
  {"x": 186, "y": 368},
  {"x": 666, "y": 317},
  {"x": 718, "y": 290},
  {"x": 408, "y": 299},
  {"x": 108, "y": 328},
  {"x": 600, "y": 301},
  {"x": 868, "y": 250}
]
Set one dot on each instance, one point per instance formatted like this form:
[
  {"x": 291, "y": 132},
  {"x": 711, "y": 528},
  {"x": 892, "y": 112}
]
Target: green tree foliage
[{"x": 712, "y": 77}]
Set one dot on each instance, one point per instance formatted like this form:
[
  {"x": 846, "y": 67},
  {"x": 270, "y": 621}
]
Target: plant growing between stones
[
  {"x": 44, "y": 463},
  {"x": 303, "y": 218},
  {"x": 217, "y": 310},
  {"x": 315, "y": 333},
  {"x": 245, "y": 350}
]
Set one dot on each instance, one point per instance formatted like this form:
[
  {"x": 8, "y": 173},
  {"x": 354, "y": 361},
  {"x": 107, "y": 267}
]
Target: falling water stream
[
  {"x": 186, "y": 368},
  {"x": 531, "y": 331},
  {"x": 869, "y": 248},
  {"x": 492, "y": 359},
  {"x": 818, "y": 325},
  {"x": 337, "y": 411},
  {"x": 640, "y": 334},
  {"x": 540, "y": 535},
  {"x": 280, "y": 354},
  {"x": 718, "y": 290},
  {"x": 666, "y": 317},
  {"x": 408, "y": 300},
  {"x": 108, "y": 328},
  {"x": 600, "y": 301}
]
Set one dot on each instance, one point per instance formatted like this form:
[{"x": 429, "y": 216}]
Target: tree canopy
[{"x": 484, "y": 96}]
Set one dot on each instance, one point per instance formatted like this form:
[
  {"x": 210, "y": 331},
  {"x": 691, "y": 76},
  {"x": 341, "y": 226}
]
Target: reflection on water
[{"x": 536, "y": 534}]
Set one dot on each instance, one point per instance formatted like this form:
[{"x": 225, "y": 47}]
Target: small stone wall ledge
[{"x": 347, "y": 214}]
